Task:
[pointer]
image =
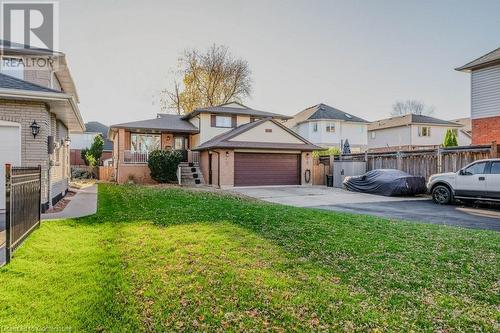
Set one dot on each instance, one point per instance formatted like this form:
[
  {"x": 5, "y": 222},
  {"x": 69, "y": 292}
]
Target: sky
[{"x": 357, "y": 56}]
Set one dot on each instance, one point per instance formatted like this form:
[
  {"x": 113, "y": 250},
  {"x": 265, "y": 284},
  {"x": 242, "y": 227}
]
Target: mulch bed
[{"x": 61, "y": 204}]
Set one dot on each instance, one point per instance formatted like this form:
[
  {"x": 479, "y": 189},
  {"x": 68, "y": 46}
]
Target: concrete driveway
[{"x": 420, "y": 209}]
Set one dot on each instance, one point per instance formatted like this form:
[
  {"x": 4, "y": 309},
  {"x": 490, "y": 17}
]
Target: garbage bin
[{"x": 329, "y": 181}]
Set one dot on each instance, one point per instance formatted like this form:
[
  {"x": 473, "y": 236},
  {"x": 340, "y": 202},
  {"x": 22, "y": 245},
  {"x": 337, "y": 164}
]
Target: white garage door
[{"x": 10, "y": 152}]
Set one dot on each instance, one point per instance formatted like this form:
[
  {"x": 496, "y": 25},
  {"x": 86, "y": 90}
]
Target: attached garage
[
  {"x": 10, "y": 152},
  {"x": 254, "y": 169}
]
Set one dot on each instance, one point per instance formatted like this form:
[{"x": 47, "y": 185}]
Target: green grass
[{"x": 169, "y": 259}]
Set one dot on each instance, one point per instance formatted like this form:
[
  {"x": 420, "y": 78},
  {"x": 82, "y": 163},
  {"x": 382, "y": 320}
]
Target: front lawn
[{"x": 170, "y": 259}]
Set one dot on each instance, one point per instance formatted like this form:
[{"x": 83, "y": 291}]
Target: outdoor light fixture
[
  {"x": 227, "y": 154},
  {"x": 35, "y": 129},
  {"x": 67, "y": 140}
]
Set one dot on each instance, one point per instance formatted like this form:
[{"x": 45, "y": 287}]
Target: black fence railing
[{"x": 22, "y": 204}]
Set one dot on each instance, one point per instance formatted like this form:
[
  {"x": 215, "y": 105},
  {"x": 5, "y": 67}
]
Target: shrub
[
  {"x": 91, "y": 156},
  {"x": 163, "y": 165},
  {"x": 450, "y": 139},
  {"x": 326, "y": 152}
]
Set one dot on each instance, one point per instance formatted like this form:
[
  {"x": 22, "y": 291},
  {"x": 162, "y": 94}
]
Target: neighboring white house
[
  {"x": 411, "y": 132},
  {"x": 326, "y": 126}
]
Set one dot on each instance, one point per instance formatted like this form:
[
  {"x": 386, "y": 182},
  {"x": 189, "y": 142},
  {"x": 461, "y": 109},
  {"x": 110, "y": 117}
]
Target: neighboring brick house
[
  {"x": 485, "y": 97},
  {"x": 327, "y": 126},
  {"x": 45, "y": 97},
  {"x": 228, "y": 145},
  {"x": 411, "y": 132},
  {"x": 84, "y": 140}
]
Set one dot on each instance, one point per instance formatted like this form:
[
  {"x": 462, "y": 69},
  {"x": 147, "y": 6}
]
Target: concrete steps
[{"x": 191, "y": 174}]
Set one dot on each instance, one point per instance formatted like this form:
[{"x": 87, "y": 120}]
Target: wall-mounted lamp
[
  {"x": 227, "y": 154},
  {"x": 35, "y": 129},
  {"x": 67, "y": 141}
]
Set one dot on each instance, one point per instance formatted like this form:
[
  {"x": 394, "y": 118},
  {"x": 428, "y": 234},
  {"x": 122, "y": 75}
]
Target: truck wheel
[{"x": 441, "y": 195}]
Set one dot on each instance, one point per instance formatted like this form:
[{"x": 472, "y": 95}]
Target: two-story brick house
[
  {"x": 36, "y": 90},
  {"x": 229, "y": 145},
  {"x": 485, "y": 97}
]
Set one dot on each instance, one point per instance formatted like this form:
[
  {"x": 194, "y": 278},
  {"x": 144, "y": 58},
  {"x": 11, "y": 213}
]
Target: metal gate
[
  {"x": 22, "y": 204},
  {"x": 344, "y": 168}
]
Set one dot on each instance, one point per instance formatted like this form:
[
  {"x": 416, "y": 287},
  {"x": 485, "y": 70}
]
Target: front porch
[{"x": 133, "y": 146}]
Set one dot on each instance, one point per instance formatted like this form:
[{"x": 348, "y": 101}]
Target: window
[
  {"x": 13, "y": 67},
  {"x": 373, "y": 134},
  {"x": 315, "y": 127},
  {"x": 144, "y": 142},
  {"x": 223, "y": 121},
  {"x": 454, "y": 131},
  {"x": 475, "y": 169},
  {"x": 180, "y": 143},
  {"x": 495, "y": 168},
  {"x": 330, "y": 127},
  {"x": 424, "y": 131}
]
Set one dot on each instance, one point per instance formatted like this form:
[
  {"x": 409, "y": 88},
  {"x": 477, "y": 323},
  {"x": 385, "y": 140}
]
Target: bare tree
[
  {"x": 400, "y": 108},
  {"x": 208, "y": 79}
]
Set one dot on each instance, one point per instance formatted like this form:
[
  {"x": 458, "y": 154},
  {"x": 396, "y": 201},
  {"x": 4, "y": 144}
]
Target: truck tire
[{"x": 441, "y": 195}]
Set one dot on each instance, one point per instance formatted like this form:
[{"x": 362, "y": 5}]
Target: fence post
[
  {"x": 8, "y": 227},
  {"x": 332, "y": 158},
  {"x": 439, "y": 160},
  {"x": 494, "y": 150},
  {"x": 399, "y": 161},
  {"x": 40, "y": 195}
]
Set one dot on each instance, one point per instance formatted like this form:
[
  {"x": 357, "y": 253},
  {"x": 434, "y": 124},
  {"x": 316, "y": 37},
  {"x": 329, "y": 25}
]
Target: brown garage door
[{"x": 253, "y": 169}]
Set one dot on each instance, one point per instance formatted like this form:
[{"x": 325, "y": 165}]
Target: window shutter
[
  {"x": 233, "y": 121},
  {"x": 212, "y": 120}
]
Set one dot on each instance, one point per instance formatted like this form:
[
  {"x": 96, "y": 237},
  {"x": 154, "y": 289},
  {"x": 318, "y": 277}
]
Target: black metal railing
[{"x": 22, "y": 204}]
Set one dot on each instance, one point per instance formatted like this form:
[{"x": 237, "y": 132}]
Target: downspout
[{"x": 218, "y": 168}]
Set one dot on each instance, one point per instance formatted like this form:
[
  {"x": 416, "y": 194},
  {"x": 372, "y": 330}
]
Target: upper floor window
[
  {"x": 222, "y": 121},
  {"x": 424, "y": 131},
  {"x": 330, "y": 127},
  {"x": 454, "y": 131},
  {"x": 12, "y": 66},
  {"x": 315, "y": 127},
  {"x": 373, "y": 134}
]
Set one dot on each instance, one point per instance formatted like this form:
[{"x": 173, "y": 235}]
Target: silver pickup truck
[{"x": 479, "y": 180}]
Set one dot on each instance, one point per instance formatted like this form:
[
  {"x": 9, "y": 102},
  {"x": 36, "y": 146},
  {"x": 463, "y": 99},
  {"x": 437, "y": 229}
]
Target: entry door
[
  {"x": 472, "y": 180},
  {"x": 493, "y": 182},
  {"x": 181, "y": 143},
  {"x": 10, "y": 152}
]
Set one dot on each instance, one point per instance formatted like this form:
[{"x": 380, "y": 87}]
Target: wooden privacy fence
[
  {"x": 426, "y": 162},
  {"x": 22, "y": 204},
  {"x": 106, "y": 173},
  {"x": 321, "y": 168}
]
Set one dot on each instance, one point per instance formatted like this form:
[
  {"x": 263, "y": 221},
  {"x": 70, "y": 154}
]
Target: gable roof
[
  {"x": 234, "y": 108},
  {"x": 223, "y": 140},
  {"x": 321, "y": 112},
  {"x": 97, "y": 127},
  {"x": 165, "y": 122},
  {"x": 10, "y": 82},
  {"x": 13, "y": 47},
  {"x": 410, "y": 119},
  {"x": 489, "y": 59}
]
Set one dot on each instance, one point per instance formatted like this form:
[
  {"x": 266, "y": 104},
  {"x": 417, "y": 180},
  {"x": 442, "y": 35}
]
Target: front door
[
  {"x": 181, "y": 143},
  {"x": 471, "y": 182}
]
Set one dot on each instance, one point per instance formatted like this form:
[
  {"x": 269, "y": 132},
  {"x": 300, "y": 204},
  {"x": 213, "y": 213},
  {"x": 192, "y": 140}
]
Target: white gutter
[{"x": 46, "y": 96}]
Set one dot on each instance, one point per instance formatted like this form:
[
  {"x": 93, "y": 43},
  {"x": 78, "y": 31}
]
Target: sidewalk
[{"x": 82, "y": 204}]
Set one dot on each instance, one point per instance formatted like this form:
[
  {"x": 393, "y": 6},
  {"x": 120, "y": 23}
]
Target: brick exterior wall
[
  {"x": 485, "y": 130},
  {"x": 34, "y": 151}
]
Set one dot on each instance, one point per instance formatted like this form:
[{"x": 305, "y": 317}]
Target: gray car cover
[{"x": 389, "y": 182}]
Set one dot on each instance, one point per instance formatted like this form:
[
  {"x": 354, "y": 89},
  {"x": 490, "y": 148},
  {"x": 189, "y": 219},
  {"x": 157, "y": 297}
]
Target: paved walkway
[
  {"x": 420, "y": 209},
  {"x": 82, "y": 204}
]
